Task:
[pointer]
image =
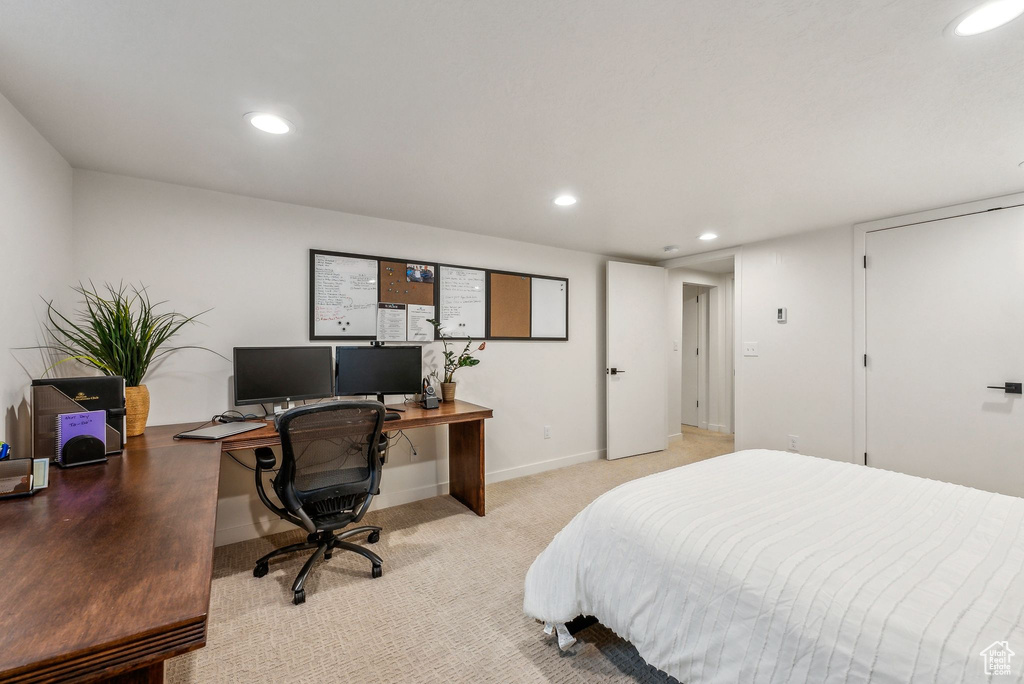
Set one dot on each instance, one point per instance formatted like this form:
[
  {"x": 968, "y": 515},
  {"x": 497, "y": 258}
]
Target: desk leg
[{"x": 466, "y": 463}]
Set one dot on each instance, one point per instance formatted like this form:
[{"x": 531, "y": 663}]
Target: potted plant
[
  {"x": 452, "y": 362},
  {"x": 118, "y": 333}
]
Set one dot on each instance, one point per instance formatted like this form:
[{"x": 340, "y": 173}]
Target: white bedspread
[{"x": 766, "y": 566}]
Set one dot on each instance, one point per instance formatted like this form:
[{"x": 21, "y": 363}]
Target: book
[{"x": 91, "y": 423}]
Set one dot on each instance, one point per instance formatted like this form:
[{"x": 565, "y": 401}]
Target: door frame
[
  {"x": 703, "y": 317},
  {"x": 731, "y": 307},
  {"x": 860, "y": 235}
]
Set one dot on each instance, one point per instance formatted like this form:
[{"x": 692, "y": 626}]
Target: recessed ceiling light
[
  {"x": 988, "y": 16},
  {"x": 670, "y": 249},
  {"x": 269, "y": 123},
  {"x": 708, "y": 236},
  {"x": 565, "y": 200}
]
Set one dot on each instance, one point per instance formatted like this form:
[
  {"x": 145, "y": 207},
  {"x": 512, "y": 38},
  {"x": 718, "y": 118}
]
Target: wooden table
[
  {"x": 465, "y": 423},
  {"x": 106, "y": 573}
]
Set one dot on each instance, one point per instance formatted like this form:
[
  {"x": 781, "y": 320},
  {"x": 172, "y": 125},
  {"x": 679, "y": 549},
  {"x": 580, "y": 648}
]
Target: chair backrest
[{"x": 330, "y": 460}]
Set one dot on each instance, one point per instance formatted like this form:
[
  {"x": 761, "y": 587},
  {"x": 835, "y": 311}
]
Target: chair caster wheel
[
  {"x": 377, "y": 571},
  {"x": 260, "y": 570},
  {"x": 373, "y": 538},
  {"x": 300, "y": 597},
  {"x": 327, "y": 556}
]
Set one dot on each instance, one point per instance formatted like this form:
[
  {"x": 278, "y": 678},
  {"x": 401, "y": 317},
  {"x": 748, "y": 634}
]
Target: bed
[{"x": 767, "y": 566}]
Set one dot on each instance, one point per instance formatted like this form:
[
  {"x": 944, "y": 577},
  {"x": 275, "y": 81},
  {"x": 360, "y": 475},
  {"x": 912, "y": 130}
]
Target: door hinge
[
  {"x": 865, "y": 458},
  {"x": 865, "y": 261},
  {"x": 698, "y": 351},
  {"x": 698, "y": 403},
  {"x": 865, "y": 360}
]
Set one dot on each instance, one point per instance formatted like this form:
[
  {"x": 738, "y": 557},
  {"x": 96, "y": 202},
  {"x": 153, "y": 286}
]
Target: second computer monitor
[{"x": 378, "y": 370}]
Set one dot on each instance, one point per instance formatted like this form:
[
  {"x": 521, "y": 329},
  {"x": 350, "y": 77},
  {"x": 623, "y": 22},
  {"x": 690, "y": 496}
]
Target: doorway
[
  {"x": 694, "y": 336},
  {"x": 702, "y": 293}
]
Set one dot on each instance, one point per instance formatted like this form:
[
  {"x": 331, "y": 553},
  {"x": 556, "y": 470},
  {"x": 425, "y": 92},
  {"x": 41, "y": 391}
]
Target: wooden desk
[
  {"x": 465, "y": 423},
  {"x": 106, "y": 573}
]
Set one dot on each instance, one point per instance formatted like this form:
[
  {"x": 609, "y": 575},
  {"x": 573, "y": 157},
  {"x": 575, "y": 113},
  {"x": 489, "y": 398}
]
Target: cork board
[
  {"x": 396, "y": 288},
  {"x": 510, "y": 305}
]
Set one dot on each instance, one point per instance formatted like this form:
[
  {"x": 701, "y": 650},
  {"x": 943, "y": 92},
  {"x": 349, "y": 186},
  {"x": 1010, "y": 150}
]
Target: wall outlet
[
  {"x": 675, "y": 345},
  {"x": 547, "y": 432},
  {"x": 750, "y": 348},
  {"x": 794, "y": 443}
]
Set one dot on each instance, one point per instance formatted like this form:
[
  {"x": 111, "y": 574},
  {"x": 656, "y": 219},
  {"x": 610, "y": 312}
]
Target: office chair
[{"x": 330, "y": 470}]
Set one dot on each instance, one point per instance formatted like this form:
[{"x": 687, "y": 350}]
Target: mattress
[{"x": 767, "y": 566}]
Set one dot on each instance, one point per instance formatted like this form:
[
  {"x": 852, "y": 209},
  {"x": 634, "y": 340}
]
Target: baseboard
[
  {"x": 542, "y": 466},
  {"x": 717, "y": 428},
  {"x": 675, "y": 437},
  {"x": 264, "y": 528}
]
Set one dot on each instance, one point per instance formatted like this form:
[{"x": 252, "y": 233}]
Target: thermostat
[{"x": 780, "y": 315}]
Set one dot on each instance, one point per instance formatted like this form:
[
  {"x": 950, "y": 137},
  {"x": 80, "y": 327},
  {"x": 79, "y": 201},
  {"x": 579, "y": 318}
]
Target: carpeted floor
[{"x": 449, "y": 606}]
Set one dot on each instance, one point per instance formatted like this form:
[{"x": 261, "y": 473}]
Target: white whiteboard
[
  {"x": 549, "y": 302},
  {"x": 344, "y": 296},
  {"x": 463, "y": 311}
]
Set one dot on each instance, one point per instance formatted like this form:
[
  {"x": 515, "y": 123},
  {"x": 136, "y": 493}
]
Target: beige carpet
[{"x": 449, "y": 606}]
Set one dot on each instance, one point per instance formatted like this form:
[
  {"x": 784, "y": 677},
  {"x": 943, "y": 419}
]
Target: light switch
[
  {"x": 675, "y": 345},
  {"x": 750, "y": 348}
]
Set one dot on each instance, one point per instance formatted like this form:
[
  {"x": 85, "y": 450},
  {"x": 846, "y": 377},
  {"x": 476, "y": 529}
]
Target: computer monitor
[
  {"x": 378, "y": 370},
  {"x": 282, "y": 374}
]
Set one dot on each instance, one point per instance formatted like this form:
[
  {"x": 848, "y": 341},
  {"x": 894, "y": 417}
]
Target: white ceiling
[{"x": 666, "y": 117}]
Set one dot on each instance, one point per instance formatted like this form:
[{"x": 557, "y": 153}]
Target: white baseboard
[
  {"x": 264, "y": 528},
  {"x": 542, "y": 466},
  {"x": 675, "y": 437}
]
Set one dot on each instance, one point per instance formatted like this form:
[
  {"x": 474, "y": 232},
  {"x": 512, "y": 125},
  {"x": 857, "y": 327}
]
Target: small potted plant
[
  {"x": 452, "y": 362},
  {"x": 118, "y": 333}
]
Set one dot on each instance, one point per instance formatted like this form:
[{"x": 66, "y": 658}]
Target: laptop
[{"x": 220, "y": 431}]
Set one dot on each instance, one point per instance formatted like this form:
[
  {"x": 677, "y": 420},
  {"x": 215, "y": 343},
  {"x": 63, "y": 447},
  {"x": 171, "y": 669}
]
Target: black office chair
[{"x": 330, "y": 470}]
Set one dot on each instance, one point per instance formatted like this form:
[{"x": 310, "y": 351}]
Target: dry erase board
[
  {"x": 462, "y": 301},
  {"x": 342, "y": 297},
  {"x": 549, "y": 308}
]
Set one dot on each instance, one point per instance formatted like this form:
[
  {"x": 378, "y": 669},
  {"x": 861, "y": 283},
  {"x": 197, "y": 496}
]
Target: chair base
[{"x": 325, "y": 543}]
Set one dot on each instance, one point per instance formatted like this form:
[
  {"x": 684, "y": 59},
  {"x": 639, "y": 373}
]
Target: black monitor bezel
[
  {"x": 382, "y": 347},
  {"x": 268, "y": 400}
]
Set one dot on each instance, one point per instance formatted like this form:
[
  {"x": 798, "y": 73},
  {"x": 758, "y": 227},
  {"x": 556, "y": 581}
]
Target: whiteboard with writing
[
  {"x": 344, "y": 297},
  {"x": 463, "y": 310},
  {"x": 548, "y": 307}
]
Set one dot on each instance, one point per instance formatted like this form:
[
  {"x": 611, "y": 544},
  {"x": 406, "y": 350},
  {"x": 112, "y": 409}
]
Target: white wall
[
  {"x": 802, "y": 381},
  {"x": 35, "y": 261},
  {"x": 247, "y": 259}
]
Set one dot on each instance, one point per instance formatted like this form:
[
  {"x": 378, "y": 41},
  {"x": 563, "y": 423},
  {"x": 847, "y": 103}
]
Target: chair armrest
[{"x": 265, "y": 459}]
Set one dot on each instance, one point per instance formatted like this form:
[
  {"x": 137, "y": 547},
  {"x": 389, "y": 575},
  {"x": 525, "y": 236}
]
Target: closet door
[{"x": 944, "y": 327}]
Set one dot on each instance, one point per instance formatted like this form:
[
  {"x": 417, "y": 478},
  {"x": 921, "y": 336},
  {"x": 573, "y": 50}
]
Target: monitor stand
[
  {"x": 380, "y": 398},
  {"x": 279, "y": 410}
]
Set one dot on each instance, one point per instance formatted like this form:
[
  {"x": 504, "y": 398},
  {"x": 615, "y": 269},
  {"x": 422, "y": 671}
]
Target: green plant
[
  {"x": 452, "y": 362},
  {"x": 118, "y": 333}
]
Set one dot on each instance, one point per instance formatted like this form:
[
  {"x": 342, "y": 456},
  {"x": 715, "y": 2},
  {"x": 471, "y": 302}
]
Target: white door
[
  {"x": 637, "y": 359},
  {"x": 690, "y": 351},
  {"x": 944, "y": 320}
]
